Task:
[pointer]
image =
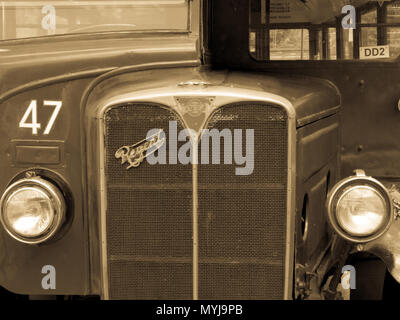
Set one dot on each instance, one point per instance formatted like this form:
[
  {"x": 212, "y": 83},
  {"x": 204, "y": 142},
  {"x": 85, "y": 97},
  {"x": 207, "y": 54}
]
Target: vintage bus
[{"x": 187, "y": 149}]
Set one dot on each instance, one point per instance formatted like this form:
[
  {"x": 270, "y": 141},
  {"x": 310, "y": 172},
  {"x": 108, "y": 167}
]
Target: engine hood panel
[{"x": 311, "y": 99}]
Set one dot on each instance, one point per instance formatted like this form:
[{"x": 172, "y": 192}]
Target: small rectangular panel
[
  {"x": 25, "y": 153},
  {"x": 37, "y": 154},
  {"x": 375, "y": 52}
]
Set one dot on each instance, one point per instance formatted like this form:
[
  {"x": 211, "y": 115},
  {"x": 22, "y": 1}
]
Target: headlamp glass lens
[
  {"x": 361, "y": 211},
  {"x": 29, "y": 211}
]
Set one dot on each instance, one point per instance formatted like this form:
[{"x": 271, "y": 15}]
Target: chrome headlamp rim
[
  {"x": 54, "y": 195},
  {"x": 338, "y": 191}
]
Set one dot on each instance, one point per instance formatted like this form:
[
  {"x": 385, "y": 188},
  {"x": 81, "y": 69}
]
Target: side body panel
[{"x": 318, "y": 164}]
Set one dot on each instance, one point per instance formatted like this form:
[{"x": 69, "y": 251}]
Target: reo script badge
[{"x": 135, "y": 154}]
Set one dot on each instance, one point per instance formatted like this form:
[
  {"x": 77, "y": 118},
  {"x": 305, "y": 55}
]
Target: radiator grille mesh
[
  {"x": 149, "y": 212},
  {"x": 242, "y": 219}
]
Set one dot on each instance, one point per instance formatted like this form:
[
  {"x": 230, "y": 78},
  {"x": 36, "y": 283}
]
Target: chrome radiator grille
[
  {"x": 241, "y": 219},
  {"x": 149, "y": 220}
]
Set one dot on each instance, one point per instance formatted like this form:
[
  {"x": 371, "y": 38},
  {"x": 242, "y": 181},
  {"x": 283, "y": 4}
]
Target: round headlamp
[
  {"x": 359, "y": 208},
  {"x": 32, "y": 210}
]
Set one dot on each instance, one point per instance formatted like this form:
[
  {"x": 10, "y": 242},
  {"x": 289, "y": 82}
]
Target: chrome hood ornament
[{"x": 136, "y": 153}]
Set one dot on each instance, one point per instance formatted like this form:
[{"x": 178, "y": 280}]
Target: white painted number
[
  {"x": 32, "y": 111},
  {"x": 57, "y": 105}
]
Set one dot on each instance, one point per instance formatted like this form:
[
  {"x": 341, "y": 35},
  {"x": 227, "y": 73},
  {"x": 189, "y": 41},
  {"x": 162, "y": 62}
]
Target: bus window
[
  {"x": 24, "y": 19},
  {"x": 316, "y": 47},
  {"x": 348, "y": 43},
  {"x": 393, "y": 12},
  {"x": 369, "y": 16},
  {"x": 312, "y": 30},
  {"x": 331, "y": 43},
  {"x": 369, "y": 36},
  {"x": 393, "y": 33},
  {"x": 393, "y": 37},
  {"x": 289, "y": 44}
]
